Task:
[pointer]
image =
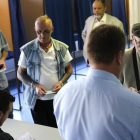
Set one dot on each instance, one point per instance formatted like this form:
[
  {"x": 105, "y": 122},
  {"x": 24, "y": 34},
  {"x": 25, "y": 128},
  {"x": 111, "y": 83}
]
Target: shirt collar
[{"x": 103, "y": 74}]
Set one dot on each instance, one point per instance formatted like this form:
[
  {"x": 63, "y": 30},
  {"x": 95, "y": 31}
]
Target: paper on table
[
  {"x": 2, "y": 69},
  {"x": 50, "y": 92},
  {"x": 26, "y": 136}
]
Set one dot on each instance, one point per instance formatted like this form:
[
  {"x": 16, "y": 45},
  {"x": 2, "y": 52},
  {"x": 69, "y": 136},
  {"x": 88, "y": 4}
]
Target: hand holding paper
[{"x": 26, "y": 136}]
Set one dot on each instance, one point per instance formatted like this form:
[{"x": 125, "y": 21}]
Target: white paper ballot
[
  {"x": 26, "y": 136},
  {"x": 2, "y": 69},
  {"x": 50, "y": 92}
]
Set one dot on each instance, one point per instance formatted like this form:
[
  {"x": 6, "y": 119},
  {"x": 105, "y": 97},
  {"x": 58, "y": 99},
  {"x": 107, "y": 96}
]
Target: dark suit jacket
[{"x": 5, "y": 136}]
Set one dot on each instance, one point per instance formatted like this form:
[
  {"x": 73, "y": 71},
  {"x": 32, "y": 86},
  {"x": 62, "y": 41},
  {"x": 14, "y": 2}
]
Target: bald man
[{"x": 44, "y": 67}]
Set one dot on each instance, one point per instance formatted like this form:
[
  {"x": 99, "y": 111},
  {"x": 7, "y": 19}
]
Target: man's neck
[
  {"x": 104, "y": 67},
  {"x": 45, "y": 44},
  {"x": 99, "y": 19}
]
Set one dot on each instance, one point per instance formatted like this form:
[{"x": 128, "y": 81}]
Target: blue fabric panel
[
  {"x": 10, "y": 55},
  {"x": 60, "y": 13},
  {"x": 83, "y": 9},
  {"x": 118, "y": 10},
  {"x": 18, "y": 31}
]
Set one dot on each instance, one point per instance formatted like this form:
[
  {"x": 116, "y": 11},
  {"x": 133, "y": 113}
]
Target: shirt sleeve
[
  {"x": 68, "y": 57},
  {"x": 3, "y": 43},
  {"x": 22, "y": 60}
]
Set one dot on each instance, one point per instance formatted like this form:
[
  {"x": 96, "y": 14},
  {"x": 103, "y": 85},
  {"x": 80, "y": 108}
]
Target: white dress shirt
[{"x": 97, "y": 107}]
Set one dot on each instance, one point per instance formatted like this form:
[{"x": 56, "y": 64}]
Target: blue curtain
[
  {"x": 83, "y": 9},
  {"x": 60, "y": 13},
  {"x": 10, "y": 55},
  {"x": 18, "y": 31},
  {"x": 118, "y": 10}
]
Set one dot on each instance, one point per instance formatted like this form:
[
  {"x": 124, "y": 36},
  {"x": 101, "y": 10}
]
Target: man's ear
[
  {"x": 133, "y": 39},
  {"x": 1, "y": 114},
  {"x": 119, "y": 58},
  {"x": 105, "y": 8},
  {"x": 52, "y": 29}
]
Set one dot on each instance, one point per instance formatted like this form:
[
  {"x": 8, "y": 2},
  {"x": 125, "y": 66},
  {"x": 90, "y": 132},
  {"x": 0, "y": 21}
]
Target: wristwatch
[
  {"x": 61, "y": 83},
  {"x": 33, "y": 85}
]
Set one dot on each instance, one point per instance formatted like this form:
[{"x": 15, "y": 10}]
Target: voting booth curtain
[
  {"x": 18, "y": 31},
  {"x": 60, "y": 13},
  {"x": 118, "y": 10},
  {"x": 83, "y": 9}
]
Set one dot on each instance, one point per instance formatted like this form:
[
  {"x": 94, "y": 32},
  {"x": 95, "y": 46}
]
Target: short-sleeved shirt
[
  {"x": 48, "y": 71},
  {"x": 3, "y": 47}
]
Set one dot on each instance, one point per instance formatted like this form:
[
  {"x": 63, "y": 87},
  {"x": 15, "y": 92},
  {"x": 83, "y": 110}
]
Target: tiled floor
[{"x": 24, "y": 114}]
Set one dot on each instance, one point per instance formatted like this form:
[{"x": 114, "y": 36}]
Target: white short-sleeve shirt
[{"x": 48, "y": 71}]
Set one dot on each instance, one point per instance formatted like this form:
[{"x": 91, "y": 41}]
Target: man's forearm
[
  {"x": 25, "y": 79},
  {"x": 68, "y": 73},
  {"x": 4, "y": 55},
  {"x": 66, "y": 76}
]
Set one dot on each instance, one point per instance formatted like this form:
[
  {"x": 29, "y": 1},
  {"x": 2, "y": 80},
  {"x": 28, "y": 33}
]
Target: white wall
[{"x": 134, "y": 8}]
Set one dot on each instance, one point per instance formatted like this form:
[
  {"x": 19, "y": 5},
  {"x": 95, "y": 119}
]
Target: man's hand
[
  {"x": 40, "y": 90},
  {"x": 133, "y": 89},
  {"x": 2, "y": 63},
  {"x": 57, "y": 87}
]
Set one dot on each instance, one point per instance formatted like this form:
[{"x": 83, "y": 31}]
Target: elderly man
[
  {"x": 44, "y": 67},
  {"x": 130, "y": 76},
  {"x": 6, "y": 105},
  {"x": 99, "y": 17},
  {"x": 98, "y": 106}
]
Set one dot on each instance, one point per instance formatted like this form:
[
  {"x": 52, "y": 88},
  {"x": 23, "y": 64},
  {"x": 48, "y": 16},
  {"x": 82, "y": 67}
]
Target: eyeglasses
[
  {"x": 138, "y": 43},
  {"x": 43, "y": 32}
]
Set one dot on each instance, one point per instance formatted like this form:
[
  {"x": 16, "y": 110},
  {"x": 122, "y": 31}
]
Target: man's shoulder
[
  {"x": 5, "y": 136},
  {"x": 59, "y": 44},
  {"x": 112, "y": 18},
  {"x": 130, "y": 96},
  {"x": 128, "y": 61},
  {"x": 29, "y": 44},
  {"x": 128, "y": 53},
  {"x": 90, "y": 18}
]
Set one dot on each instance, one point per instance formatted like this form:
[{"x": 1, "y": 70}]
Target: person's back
[{"x": 98, "y": 107}]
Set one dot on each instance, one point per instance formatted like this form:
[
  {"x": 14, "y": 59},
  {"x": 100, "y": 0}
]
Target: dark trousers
[
  {"x": 11, "y": 113},
  {"x": 43, "y": 113}
]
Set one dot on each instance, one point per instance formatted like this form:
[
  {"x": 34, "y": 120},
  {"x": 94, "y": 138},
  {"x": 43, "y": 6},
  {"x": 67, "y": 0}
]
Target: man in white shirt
[
  {"x": 99, "y": 17},
  {"x": 44, "y": 67}
]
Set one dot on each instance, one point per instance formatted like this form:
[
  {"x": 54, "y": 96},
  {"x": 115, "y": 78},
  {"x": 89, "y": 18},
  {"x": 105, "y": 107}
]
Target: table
[{"x": 38, "y": 132}]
